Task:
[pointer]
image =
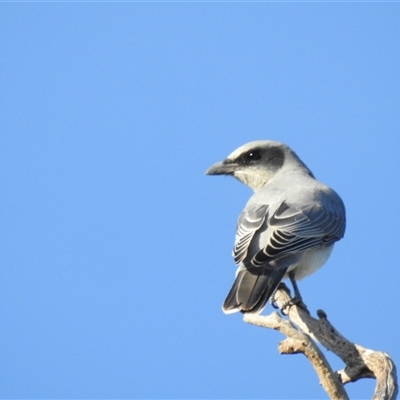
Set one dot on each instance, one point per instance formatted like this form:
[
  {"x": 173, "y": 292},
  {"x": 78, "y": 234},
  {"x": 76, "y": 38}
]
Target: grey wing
[
  {"x": 286, "y": 230},
  {"x": 250, "y": 220},
  {"x": 297, "y": 229}
]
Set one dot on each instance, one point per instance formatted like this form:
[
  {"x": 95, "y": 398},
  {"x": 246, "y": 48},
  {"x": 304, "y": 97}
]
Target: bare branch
[
  {"x": 360, "y": 362},
  {"x": 299, "y": 342}
]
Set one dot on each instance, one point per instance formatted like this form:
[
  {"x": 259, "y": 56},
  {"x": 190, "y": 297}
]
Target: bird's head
[{"x": 256, "y": 163}]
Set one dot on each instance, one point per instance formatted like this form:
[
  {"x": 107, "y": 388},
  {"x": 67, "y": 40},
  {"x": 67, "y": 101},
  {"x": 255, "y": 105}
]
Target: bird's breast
[{"x": 310, "y": 261}]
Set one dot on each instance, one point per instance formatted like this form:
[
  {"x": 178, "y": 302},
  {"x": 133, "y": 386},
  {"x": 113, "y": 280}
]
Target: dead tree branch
[{"x": 301, "y": 330}]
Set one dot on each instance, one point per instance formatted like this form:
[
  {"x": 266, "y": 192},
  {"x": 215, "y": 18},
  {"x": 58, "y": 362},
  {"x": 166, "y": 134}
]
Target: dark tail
[{"x": 252, "y": 289}]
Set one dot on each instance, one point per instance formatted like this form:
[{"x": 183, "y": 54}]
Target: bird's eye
[{"x": 253, "y": 155}]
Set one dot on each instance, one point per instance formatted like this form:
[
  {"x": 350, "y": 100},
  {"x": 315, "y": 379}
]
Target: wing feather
[
  {"x": 249, "y": 222},
  {"x": 295, "y": 229},
  {"x": 292, "y": 230}
]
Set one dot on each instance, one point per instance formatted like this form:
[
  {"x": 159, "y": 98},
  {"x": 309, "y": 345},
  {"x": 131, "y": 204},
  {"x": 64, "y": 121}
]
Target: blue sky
[{"x": 116, "y": 249}]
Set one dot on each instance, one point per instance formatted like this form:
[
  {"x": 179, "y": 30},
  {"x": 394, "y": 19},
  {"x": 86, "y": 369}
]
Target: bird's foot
[
  {"x": 295, "y": 301},
  {"x": 273, "y": 300}
]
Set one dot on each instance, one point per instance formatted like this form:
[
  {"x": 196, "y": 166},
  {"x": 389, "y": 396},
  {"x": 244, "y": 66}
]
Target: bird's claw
[
  {"x": 274, "y": 305},
  {"x": 273, "y": 299},
  {"x": 295, "y": 301}
]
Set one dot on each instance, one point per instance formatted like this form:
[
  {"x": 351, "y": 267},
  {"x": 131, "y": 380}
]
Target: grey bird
[{"x": 288, "y": 227}]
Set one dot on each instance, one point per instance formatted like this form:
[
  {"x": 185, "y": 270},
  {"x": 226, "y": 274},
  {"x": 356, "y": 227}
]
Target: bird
[{"x": 288, "y": 227}]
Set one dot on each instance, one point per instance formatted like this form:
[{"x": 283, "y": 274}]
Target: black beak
[{"x": 222, "y": 168}]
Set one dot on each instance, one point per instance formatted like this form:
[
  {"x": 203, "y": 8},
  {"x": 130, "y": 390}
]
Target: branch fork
[{"x": 302, "y": 331}]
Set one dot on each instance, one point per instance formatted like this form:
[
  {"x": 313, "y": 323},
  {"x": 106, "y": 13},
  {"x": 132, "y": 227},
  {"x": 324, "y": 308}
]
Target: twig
[
  {"x": 360, "y": 362},
  {"x": 299, "y": 342}
]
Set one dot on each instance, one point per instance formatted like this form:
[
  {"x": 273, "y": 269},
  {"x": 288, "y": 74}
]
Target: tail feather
[
  {"x": 252, "y": 289},
  {"x": 231, "y": 303}
]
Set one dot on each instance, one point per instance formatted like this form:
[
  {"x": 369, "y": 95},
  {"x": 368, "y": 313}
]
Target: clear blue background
[{"x": 115, "y": 249}]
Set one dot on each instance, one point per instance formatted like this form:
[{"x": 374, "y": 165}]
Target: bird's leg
[
  {"x": 297, "y": 295},
  {"x": 296, "y": 299}
]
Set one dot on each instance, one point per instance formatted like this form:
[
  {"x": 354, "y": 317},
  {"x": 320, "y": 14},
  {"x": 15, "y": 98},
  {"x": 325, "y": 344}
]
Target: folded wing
[{"x": 292, "y": 230}]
